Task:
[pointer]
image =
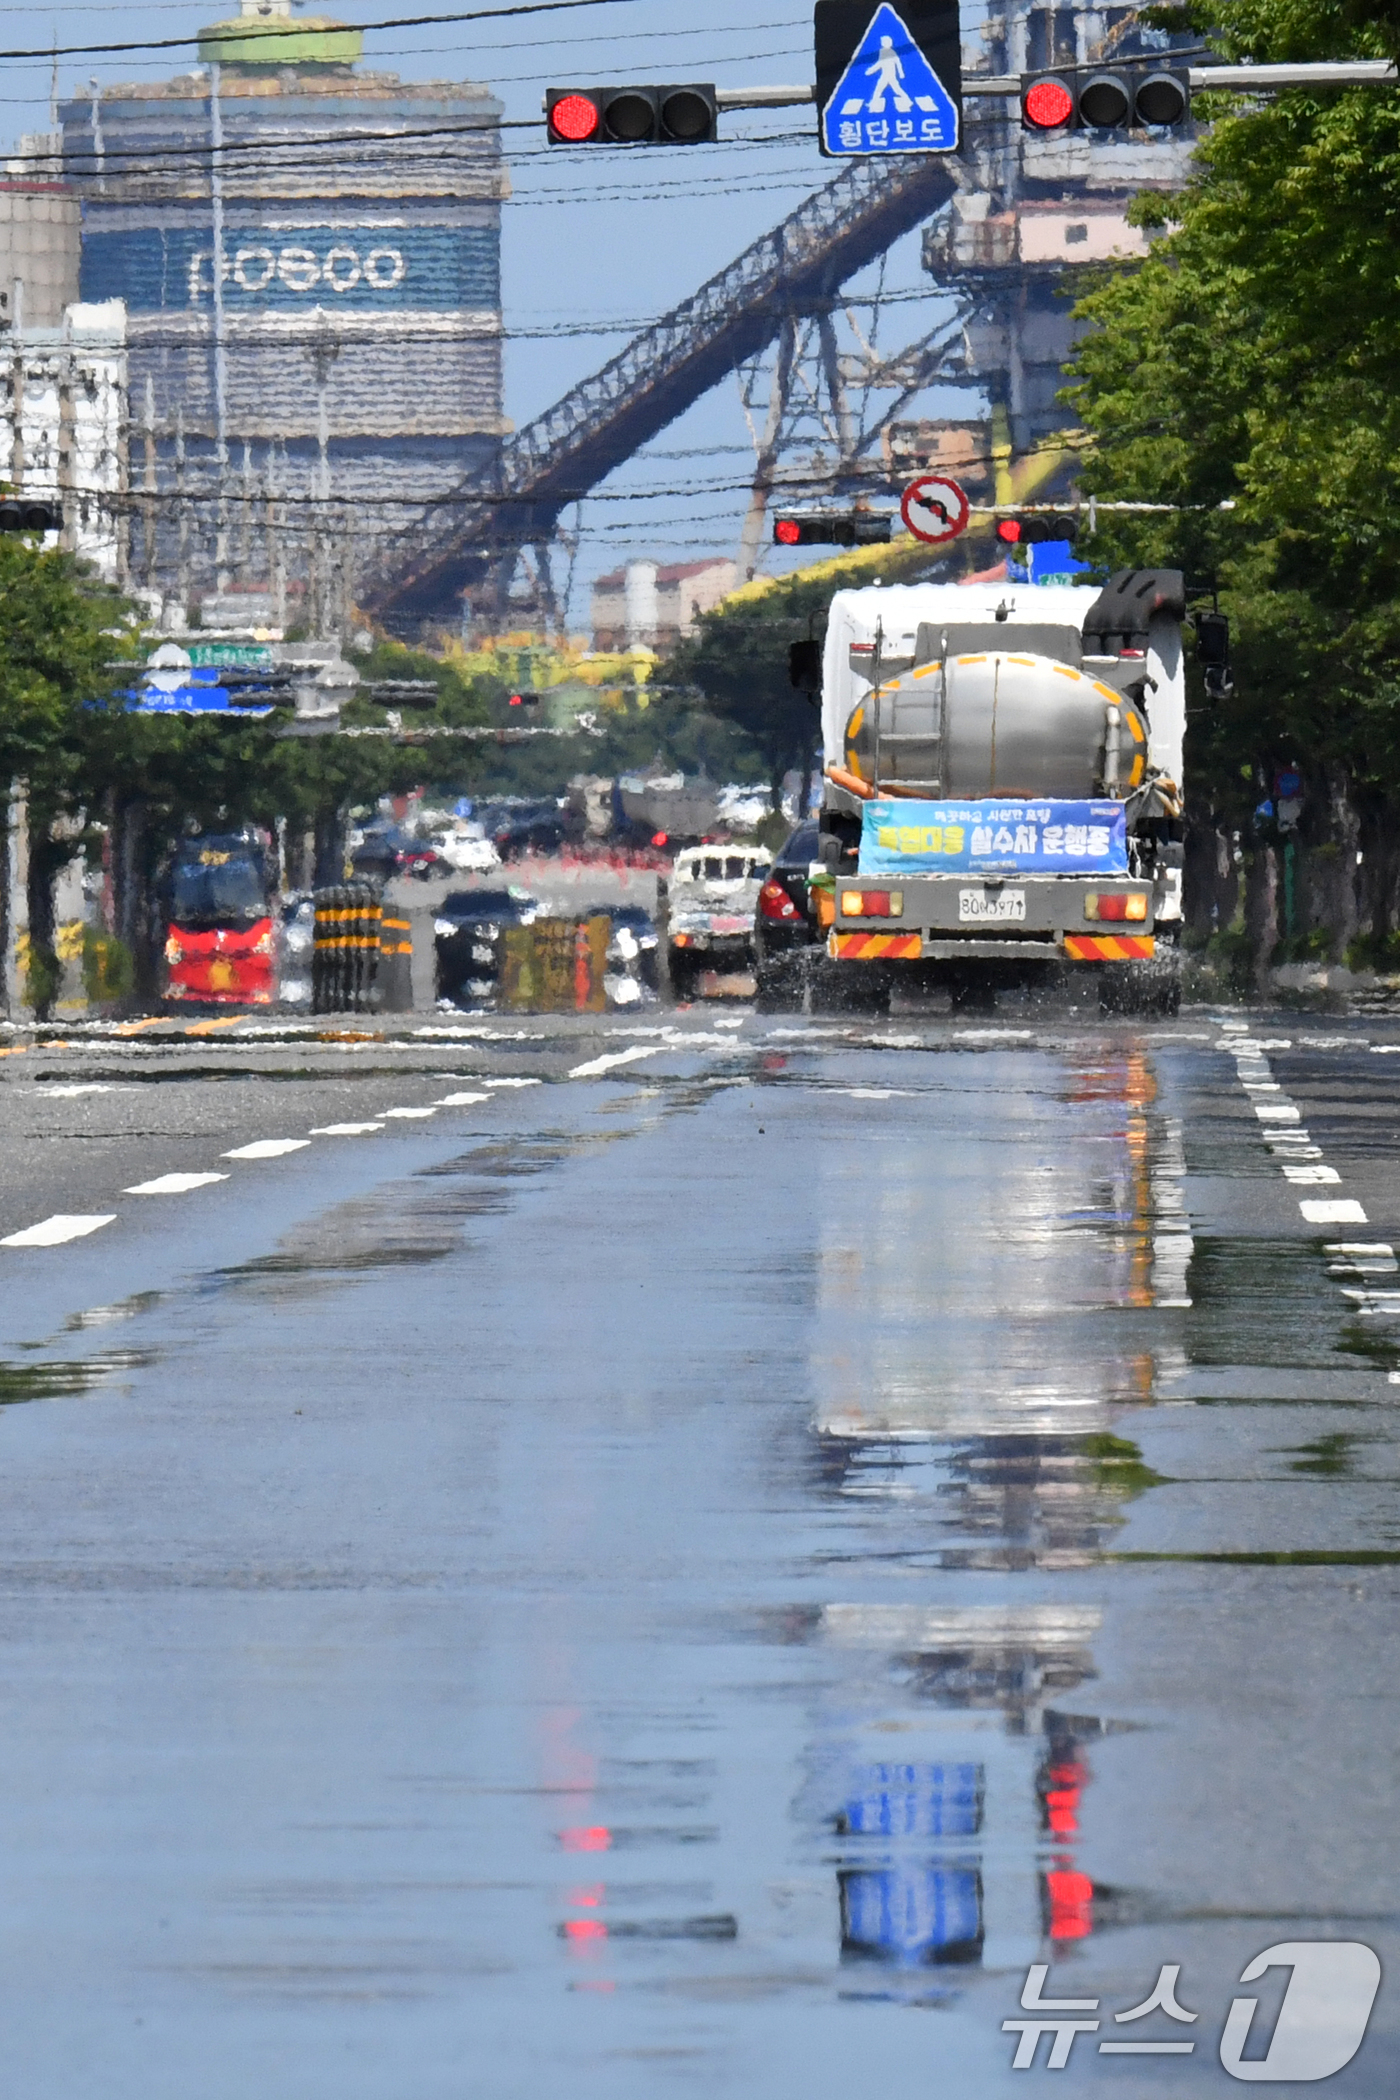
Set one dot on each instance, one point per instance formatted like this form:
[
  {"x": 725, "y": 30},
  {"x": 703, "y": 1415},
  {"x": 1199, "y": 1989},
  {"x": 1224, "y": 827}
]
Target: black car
[
  {"x": 785, "y": 928},
  {"x": 386, "y": 852},
  {"x": 467, "y": 929},
  {"x": 516, "y": 829}
]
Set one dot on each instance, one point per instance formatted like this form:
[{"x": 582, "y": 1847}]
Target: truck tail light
[
  {"x": 1116, "y": 904},
  {"x": 872, "y": 904},
  {"x": 775, "y": 903}
]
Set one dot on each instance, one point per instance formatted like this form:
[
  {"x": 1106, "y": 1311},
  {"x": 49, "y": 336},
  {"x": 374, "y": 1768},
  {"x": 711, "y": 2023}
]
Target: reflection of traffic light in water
[{"x": 1067, "y": 1896}]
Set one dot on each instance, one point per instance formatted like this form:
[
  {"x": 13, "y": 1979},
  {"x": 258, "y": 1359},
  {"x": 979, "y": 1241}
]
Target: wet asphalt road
[{"x": 690, "y": 1575}]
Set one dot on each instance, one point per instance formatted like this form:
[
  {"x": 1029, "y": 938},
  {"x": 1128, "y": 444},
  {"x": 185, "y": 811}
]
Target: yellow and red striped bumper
[
  {"x": 866, "y": 947},
  {"x": 1110, "y": 947}
]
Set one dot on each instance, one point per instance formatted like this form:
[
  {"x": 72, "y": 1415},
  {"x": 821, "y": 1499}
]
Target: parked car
[
  {"x": 518, "y": 828},
  {"x": 385, "y": 851},
  {"x": 421, "y": 859},
  {"x": 467, "y": 932},
  {"x": 631, "y": 977},
  {"x": 786, "y": 932},
  {"x": 713, "y": 898}
]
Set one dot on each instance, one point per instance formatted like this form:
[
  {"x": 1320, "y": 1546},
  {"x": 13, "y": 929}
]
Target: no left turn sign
[{"x": 934, "y": 508}]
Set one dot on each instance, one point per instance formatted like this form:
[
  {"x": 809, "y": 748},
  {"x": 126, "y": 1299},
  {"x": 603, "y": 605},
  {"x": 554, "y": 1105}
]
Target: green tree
[
  {"x": 737, "y": 659},
  {"x": 1250, "y": 361},
  {"x": 59, "y": 631}
]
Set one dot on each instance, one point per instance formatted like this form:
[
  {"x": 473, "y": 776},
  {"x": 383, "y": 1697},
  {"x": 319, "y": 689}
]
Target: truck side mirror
[
  {"x": 1213, "y": 654},
  {"x": 805, "y": 666}
]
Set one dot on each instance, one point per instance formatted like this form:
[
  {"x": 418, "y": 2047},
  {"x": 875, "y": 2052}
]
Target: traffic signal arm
[
  {"x": 401, "y": 692},
  {"x": 1357, "y": 72}
]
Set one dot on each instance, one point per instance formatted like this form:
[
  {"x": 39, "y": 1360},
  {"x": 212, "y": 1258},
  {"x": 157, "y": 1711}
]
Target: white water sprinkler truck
[{"x": 1002, "y": 793}]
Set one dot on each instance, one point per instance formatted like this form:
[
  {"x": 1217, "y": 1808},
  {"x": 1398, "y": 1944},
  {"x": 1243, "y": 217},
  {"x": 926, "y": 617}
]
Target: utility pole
[
  {"x": 17, "y": 383},
  {"x": 216, "y": 201},
  {"x": 768, "y": 450}
]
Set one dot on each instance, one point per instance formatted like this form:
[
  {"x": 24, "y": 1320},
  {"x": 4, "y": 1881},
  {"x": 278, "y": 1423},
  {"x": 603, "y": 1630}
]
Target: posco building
[{"x": 310, "y": 259}]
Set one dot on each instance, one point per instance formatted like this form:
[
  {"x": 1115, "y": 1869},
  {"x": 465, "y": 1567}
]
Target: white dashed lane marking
[
  {"x": 173, "y": 1184},
  {"x": 1288, "y": 1141},
  {"x": 267, "y": 1148},
  {"x": 597, "y": 1065},
  {"x": 52, "y": 1232}
]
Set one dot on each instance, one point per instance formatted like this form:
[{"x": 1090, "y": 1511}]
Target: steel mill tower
[{"x": 310, "y": 259}]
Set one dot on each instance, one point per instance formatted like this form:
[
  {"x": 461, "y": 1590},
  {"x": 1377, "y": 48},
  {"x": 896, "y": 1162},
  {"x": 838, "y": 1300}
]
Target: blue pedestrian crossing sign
[{"x": 889, "y": 99}]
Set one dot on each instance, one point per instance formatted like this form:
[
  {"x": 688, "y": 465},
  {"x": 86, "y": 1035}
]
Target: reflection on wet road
[{"x": 696, "y": 1574}]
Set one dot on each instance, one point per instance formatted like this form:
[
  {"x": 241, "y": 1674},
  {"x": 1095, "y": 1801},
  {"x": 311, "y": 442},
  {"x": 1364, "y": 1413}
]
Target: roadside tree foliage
[
  {"x": 58, "y": 634},
  {"x": 737, "y": 657},
  {"x": 1251, "y": 360}
]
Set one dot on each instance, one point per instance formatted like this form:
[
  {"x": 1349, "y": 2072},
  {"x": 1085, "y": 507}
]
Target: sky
[{"x": 596, "y": 242}]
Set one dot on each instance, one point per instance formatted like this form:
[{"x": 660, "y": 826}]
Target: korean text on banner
[{"x": 993, "y": 838}]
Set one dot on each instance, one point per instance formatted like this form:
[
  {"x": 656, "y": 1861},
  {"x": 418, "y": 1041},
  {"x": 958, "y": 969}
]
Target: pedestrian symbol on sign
[
  {"x": 889, "y": 99},
  {"x": 888, "y": 72}
]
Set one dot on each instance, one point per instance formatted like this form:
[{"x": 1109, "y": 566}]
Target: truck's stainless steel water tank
[{"x": 998, "y": 722}]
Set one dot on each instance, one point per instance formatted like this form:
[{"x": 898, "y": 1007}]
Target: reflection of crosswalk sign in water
[{"x": 889, "y": 99}]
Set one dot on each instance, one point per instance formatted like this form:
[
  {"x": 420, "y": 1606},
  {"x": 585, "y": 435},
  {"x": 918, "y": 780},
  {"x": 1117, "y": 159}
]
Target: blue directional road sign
[{"x": 889, "y": 98}]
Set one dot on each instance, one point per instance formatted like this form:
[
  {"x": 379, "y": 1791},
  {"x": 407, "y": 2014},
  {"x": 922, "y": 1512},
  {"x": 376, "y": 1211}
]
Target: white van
[{"x": 713, "y": 896}]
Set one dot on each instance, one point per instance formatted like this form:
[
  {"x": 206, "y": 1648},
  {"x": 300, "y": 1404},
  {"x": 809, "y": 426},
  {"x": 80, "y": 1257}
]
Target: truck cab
[{"x": 221, "y": 941}]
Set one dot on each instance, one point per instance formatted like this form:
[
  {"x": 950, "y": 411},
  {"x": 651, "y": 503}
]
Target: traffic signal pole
[{"x": 1357, "y": 72}]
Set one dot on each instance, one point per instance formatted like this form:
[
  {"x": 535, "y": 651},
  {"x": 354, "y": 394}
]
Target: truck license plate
[{"x": 982, "y": 906}]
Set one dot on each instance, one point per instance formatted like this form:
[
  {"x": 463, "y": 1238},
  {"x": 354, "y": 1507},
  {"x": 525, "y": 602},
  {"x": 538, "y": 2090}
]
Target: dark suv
[
  {"x": 467, "y": 934},
  {"x": 785, "y": 932}
]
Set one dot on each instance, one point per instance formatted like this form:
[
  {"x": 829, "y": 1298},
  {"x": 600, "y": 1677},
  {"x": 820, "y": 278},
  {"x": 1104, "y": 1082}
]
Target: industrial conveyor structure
[{"x": 795, "y": 271}]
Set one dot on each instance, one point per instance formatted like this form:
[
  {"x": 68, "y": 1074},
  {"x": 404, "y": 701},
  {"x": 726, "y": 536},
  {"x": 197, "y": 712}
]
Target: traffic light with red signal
[
  {"x": 632, "y": 116},
  {"x": 833, "y": 528},
  {"x": 1146, "y": 97},
  {"x": 1037, "y": 529}
]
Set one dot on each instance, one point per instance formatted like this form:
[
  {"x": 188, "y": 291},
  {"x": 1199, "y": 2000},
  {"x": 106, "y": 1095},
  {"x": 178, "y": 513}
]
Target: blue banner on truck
[{"x": 993, "y": 838}]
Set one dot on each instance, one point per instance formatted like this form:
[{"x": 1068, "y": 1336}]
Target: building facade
[
  {"x": 309, "y": 256},
  {"x": 39, "y": 237},
  {"x": 650, "y": 605},
  {"x": 63, "y": 426}
]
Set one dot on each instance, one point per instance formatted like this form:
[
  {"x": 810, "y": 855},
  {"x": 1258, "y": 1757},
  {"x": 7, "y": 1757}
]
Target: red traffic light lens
[
  {"x": 787, "y": 532},
  {"x": 1047, "y": 104},
  {"x": 516, "y": 701},
  {"x": 1009, "y": 529},
  {"x": 574, "y": 117}
]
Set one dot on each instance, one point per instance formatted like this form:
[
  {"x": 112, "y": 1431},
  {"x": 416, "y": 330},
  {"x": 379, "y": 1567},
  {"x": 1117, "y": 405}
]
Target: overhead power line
[{"x": 267, "y": 35}]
